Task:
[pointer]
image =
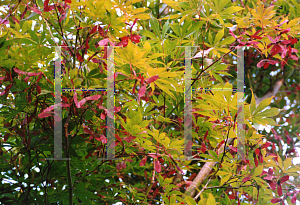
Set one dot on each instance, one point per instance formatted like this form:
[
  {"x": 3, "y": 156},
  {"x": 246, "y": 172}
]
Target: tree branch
[{"x": 271, "y": 93}]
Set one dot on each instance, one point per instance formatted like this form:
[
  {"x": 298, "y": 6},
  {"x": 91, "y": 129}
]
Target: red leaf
[
  {"x": 275, "y": 49},
  {"x": 103, "y": 42},
  {"x": 124, "y": 41},
  {"x": 119, "y": 166},
  {"x": 232, "y": 196},
  {"x": 255, "y": 161},
  {"x": 152, "y": 79},
  {"x": 46, "y": 112},
  {"x": 38, "y": 89},
  {"x": 284, "y": 179},
  {"x": 257, "y": 151},
  {"x": 94, "y": 97},
  {"x": 276, "y": 200},
  {"x": 203, "y": 147},
  {"x": 285, "y": 31},
  {"x": 155, "y": 193},
  {"x": 157, "y": 166},
  {"x": 294, "y": 198},
  {"x": 266, "y": 65},
  {"x": 93, "y": 30},
  {"x": 266, "y": 61},
  {"x": 279, "y": 190},
  {"x": 102, "y": 138},
  {"x": 117, "y": 109},
  {"x": 246, "y": 179},
  {"x": 267, "y": 144},
  {"x": 260, "y": 158},
  {"x": 19, "y": 71},
  {"x": 129, "y": 139},
  {"x": 68, "y": 1},
  {"x": 119, "y": 138},
  {"x": 87, "y": 43},
  {"x": 34, "y": 74},
  {"x": 6, "y": 137},
  {"x": 256, "y": 37},
  {"x": 36, "y": 10},
  {"x": 88, "y": 155},
  {"x": 154, "y": 155},
  {"x": 270, "y": 171},
  {"x": 293, "y": 41},
  {"x": 233, "y": 148},
  {"x": 142, "y": 91},
  {"x": 294, "y": 57},
  {"x": 285, "y": 21},
  {"x": 269, "y": 177},
  {"x": 101, "y": 31},
  {"x": 23, "y": 14},
  {"x": 188, "y": 145},
  {"x": 272, "y": 185},
  {"x": 79, "y": 57},
  {"x": 80, "y": 103},
  {"x": 143, "y": 161},
  {"x": 46, "y": 2},
  {"x": 286, "y": 42},
  {"x": 135, "y": 38},
  {"x": 20, "y": 132},
  {"x": 123, "y": 164},
  {"x": 2, "y": 78},
  {"x": 102, "y": 116},
  {"x": 15, "y": 19},
  {"x": 88, "y": 131},
  {"x": 4, "y": 92}
]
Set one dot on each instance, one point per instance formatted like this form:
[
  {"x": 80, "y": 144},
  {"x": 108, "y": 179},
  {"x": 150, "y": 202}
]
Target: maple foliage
[{"x": 147, "y": 66}]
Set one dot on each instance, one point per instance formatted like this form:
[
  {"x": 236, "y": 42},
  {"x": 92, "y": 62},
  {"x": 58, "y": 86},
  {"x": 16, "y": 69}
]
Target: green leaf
[
  {"x": 253, "y": 103},
  {"x": 258, "y": 170},
  {"x": 232, "y": 10},
  {"x": 226, "y": 41},
  {"x": 155, "y": 26},
  {"x": 219, "y": 36},
  {"x": 217, "y": 77},
  {"x": 34, "y": 36},
  {"x": 148, "y": 34},
  {"x": 210, "y": 38},
  {"x": 165, "y": 28},
  {"x": 89, "y": 114},
  {"x": 262, "y": 105},
  {"x": 271, "y": 112},
  {"x": 189, "y": 200}
]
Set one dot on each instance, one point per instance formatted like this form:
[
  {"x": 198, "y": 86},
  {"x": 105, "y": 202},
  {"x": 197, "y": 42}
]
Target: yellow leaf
[
  {"x": 287, "y": 163},
  {"x": 219, "y": 36},
  {"x": 232, "y": 10},
  {"x": 224, "y": 179},
  {"x": 258, "y": 170},
  {"x": 144, "y": 16},
  {"x": 211, "y": 200}
]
